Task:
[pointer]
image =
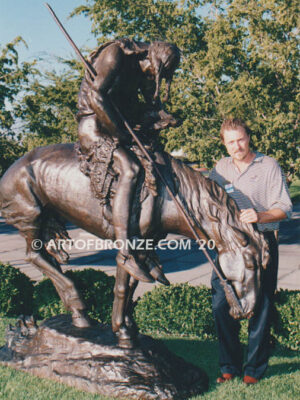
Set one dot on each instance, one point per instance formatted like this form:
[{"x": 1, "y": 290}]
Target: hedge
[
  {"x": 186, "y": 310},
  {"x": 286, "y": 325},
  {"x": 178, "y": 309},
  {"x": 16, "y": 292},
  {"x": 95, "y": 287}
]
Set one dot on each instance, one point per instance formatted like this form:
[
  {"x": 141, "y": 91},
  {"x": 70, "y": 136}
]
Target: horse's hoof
[
  {"x": 126, "y": 343},
  {"x": 125, "y": 339},
  {"x": 80, "y": 319},
  {"x": 131, "y": 327}
]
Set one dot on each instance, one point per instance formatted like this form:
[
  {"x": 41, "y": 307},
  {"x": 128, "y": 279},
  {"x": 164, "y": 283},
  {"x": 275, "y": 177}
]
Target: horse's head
[
  {"x": 242, "y": 261},
  {"x": 243, "y": 251}
]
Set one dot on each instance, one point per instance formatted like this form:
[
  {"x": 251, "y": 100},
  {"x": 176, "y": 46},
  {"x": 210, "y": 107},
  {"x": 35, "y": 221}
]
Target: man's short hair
[{"x": 233, "y": 123}]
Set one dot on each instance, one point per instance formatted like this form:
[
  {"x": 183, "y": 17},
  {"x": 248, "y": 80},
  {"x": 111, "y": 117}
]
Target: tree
[
  {"x": 251, "y": 69},
  {"x": 13, "y": 80},
  {"x": 241, "y": 60},
  {"x": 48, "y": 109}
]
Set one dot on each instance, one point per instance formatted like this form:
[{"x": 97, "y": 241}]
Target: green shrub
[
  {"x": 16, "y": 291},
  {"x": 178, "y": 309},
  {"x": 95, "y": 287},
  {"x": 286, "y": 325},
  {"x": 186, "y": 310},
  {"x": 285, "y": 328},
  {"x": 46, "y": 302}
]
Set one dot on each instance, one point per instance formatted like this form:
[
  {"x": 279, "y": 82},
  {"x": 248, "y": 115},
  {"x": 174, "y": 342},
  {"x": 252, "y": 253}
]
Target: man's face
[{"x": 237, "y": 143}]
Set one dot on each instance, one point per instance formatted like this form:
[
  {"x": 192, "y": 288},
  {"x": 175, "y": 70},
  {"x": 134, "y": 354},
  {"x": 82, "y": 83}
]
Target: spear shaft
[{"x": 87, "y": 65}]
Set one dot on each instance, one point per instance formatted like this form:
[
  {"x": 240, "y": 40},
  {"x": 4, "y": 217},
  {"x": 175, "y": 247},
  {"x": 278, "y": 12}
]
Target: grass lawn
[{"x": 282, "y": 380}]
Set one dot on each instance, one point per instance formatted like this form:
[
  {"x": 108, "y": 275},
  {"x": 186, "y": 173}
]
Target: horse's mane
[{"x": 206, "y": 200}]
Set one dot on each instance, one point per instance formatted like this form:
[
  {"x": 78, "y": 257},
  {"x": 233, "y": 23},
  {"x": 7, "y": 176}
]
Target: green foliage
[
  {"x": 13, "y": 77},
  {"x": 182, "y": 309},
  {"x": 146, "y": 20},
  {"x": 241, "y": 60},
  {"x": 95, "y": 287},
  {"x": 177, "y": 309},
  {"x": 16, "y": 291},
  {"x": 46, "y": 302},
  {"x": 10, "y": 151},
  {"x": 13, "y": 80},
  {"x": 49, "y": 107},
  {"x": 286, "y": 327}
]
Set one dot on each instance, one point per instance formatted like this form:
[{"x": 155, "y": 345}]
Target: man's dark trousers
[{"x": 230, "y": 351}]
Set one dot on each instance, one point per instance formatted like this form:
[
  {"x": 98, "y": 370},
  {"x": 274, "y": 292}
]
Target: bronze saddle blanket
[{"x": 98, "y": 165}]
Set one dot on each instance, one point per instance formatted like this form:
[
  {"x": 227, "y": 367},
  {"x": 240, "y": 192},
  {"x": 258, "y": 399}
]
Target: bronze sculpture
[
  {"x": 124, "y": 70},
  {"x": 47, "y": 184},
  {"x": 106, "y": 184}
]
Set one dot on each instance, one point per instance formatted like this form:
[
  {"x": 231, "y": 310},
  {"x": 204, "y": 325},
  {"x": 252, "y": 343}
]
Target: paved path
[{"x": 180, "y": 265}]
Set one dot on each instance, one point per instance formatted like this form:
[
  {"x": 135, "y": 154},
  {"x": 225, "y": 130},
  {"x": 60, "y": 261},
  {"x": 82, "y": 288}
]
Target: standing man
[{"x": 258, "y": 186}]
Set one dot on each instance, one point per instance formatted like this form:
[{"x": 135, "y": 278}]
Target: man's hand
[{"x": 249, "y": 216}]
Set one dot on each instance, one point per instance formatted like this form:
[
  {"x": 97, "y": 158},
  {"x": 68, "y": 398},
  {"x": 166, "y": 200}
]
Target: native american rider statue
[{"x": 129, "y": 75}]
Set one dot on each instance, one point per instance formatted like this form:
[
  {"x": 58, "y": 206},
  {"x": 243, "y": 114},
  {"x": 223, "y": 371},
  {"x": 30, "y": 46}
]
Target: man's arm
[
  {"x": 280, "y": 206},
  {"x": 251, "y": 216}
]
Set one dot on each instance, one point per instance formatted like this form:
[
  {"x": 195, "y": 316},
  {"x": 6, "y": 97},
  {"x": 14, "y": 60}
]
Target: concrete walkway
[{"x": 180, "y": 265}]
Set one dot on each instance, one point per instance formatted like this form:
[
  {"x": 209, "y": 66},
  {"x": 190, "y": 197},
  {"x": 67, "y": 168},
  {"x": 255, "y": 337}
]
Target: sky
[{"x": 32, "y": 20}]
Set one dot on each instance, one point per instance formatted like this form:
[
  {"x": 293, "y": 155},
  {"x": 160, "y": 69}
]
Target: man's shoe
[
  {"x": 250, "y": 380},
  {"x": 130, "y": 265},
  {"x": 225, "y": 377}
]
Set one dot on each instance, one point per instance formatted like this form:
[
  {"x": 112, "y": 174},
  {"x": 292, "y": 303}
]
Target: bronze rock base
[{"x": 90, "y": 359}]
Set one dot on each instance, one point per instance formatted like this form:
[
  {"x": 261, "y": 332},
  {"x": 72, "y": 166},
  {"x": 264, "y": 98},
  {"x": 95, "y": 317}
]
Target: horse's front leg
[
  {"x": 129, "y": 320},
  {"x": 121, "y": 291}
]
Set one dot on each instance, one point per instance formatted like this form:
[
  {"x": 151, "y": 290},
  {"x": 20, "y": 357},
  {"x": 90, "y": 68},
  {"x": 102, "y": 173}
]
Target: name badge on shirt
[{"x": 229, "y": 188}]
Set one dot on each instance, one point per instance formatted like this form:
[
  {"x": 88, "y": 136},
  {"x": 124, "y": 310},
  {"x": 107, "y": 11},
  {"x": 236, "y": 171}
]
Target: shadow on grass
[
  {"x": 204, "y": 354},
  {"x": 282, "y": 369}
]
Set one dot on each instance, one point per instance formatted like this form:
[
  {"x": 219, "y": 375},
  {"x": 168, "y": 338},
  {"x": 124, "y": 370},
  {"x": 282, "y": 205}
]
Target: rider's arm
[
  {"x": 108, "y": 67},
  {"x": 147, "y": 88}
]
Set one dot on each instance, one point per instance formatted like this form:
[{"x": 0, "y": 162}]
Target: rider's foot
[
  {"x": 155, "y": 270},
  {"x": 80, "y": 319},
  {"x": 128, "y": 263}
]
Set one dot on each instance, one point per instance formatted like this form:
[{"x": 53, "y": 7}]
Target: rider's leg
[
  {"x": 88, "y": 132},
  {"x": 128, "y": 171}
]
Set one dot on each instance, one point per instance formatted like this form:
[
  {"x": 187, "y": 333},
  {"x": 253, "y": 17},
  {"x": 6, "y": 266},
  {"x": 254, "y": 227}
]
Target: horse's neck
[{"x": 191, "y": 183}]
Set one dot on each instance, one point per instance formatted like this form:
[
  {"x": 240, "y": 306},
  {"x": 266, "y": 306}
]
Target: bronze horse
[{"x": 46, "y": 186}]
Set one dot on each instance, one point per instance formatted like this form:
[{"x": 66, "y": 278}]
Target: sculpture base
[{"x": 90, "y": 359}]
